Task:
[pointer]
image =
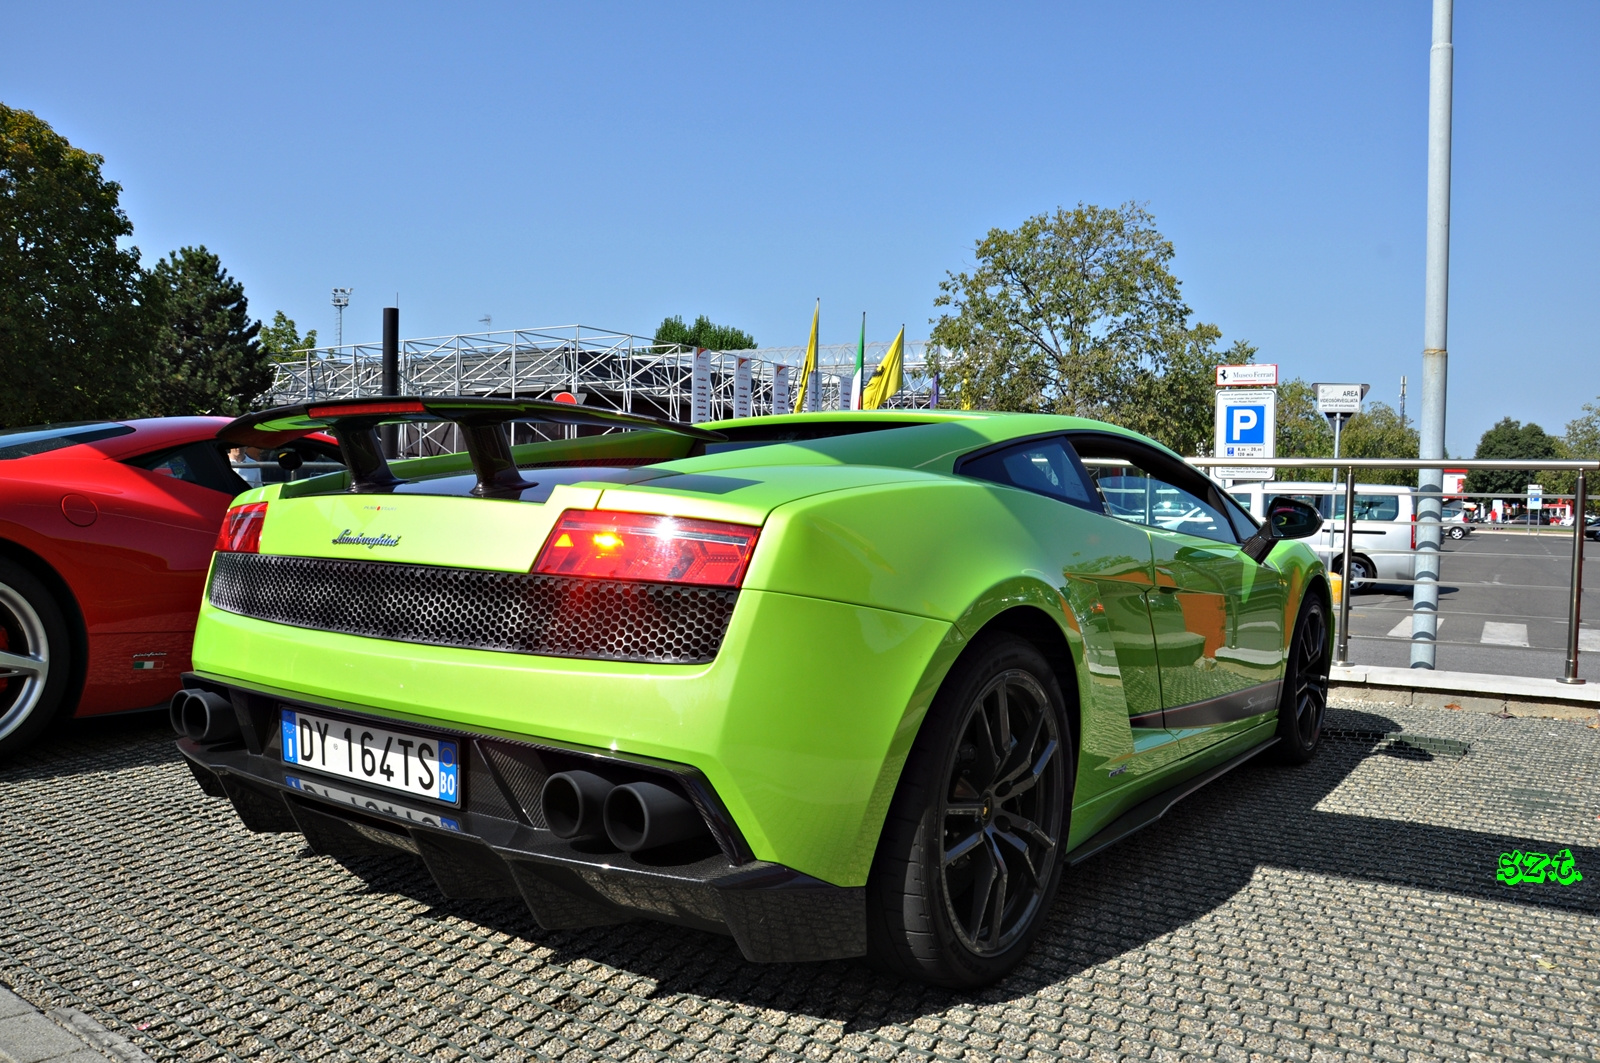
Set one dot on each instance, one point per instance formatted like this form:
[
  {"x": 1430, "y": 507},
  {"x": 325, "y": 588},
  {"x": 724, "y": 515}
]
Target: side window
[
  {"x": 1244, "y": 525},
  {"x": 1158, "y": 496},
  {"x": 1044, "y": 466},
  {"x": 1370, "y": 507},
  {"x": 196, "y": 463}
]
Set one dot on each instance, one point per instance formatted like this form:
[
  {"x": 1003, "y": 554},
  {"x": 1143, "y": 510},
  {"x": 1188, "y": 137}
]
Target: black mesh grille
[{"x": 555, "y": 616}]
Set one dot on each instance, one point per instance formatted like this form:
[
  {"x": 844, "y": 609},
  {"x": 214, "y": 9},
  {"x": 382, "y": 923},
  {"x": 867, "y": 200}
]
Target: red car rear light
[
  {"x": 241, "y": 529},
  {"x": 641, "y": 546},
  {"x": 1413, "y": 531}
]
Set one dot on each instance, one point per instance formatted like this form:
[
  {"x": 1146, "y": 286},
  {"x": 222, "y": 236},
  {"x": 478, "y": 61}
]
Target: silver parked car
[{"x": 1384, "y": 540}]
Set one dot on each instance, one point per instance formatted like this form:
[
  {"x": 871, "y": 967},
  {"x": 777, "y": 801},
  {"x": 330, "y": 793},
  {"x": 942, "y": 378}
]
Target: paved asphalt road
[
  {"x": 1490, "y": 621},
  {"x": 1347, "y": 909}
]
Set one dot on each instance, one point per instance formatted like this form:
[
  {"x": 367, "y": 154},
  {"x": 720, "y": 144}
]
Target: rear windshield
[
  {"x": 40, "y": 438},
  {"x": 762, "y": 435}
]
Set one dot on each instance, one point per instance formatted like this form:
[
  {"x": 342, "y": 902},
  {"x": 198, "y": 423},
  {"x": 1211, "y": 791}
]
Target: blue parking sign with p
[{"x": 1246, "y": 424}]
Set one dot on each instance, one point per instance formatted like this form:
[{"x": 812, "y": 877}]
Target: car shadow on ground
[
  {"x": 1192, "y": 862},
  {"x": 1195, "y": 860},
  {"x": 76, "y": 747}
]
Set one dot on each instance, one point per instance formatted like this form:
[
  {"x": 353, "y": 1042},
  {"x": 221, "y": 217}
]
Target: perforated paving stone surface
[{"x": 1347, "y": 909}]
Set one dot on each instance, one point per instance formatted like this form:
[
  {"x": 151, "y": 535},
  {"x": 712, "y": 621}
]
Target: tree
[
  {"x": 1515, "y": 440},
  {"x": 1078, "y": 313},
  {"x": 1378, "y": 432},
  {"x": 281, "y": 341},
  {"x": 1178, "y": 406},
  {"x": 704, "y": 334},
  {"x": 74, "y": 340},
  {"x": 208, "y": 359},
  {"x": 1583, "y": 432}
]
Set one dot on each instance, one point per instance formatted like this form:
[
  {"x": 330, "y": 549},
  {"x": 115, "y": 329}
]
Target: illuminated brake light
[
  {"x": 365, "y": 409},
  {"x": 1413, "y": 531},
  {"x": 241, "y": 529},
  {"x": 641, "y": 546}
]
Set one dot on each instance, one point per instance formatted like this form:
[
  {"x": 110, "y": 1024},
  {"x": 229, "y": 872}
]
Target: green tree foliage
[
  {"x": 1376, "y": 432},
  {"x": 704, "y": 334},
  {"x": 1513, "y": 439},
  {"x": 74, "y": 340},
  {"x": 208, "y": 359},
  {"x": 1583, "y": 441},
  {"x": 1077, "y": 312},
  {"x": 281, "y": 341},
  {"x": 1583, "y": 432},
  {"x": 1178, "y": 406}
]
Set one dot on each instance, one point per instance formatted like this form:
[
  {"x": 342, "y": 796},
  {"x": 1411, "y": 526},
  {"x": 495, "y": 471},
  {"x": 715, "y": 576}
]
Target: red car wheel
[{"x": 34, "y": 657}]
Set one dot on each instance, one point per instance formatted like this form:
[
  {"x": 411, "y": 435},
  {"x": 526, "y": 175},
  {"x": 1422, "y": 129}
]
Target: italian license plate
[{"x": 412, "y": 764}]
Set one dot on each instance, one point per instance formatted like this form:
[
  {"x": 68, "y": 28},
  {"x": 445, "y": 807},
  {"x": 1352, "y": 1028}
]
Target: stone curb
[
  {"x": 63, "y": 1035},
  {"x": 109, "y": 1042},
  {"x": 1468, "y": 691}
]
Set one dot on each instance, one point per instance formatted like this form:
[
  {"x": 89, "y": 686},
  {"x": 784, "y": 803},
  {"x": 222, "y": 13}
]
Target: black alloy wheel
[
  {"x": 971, "y": 853},
  {"x": 1305, "y": 684},
  {"x": 34, "y": 657},
  {"x": 1002, "y": 815}
]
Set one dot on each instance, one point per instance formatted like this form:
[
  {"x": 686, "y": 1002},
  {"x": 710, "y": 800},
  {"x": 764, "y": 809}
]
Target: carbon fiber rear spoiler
[{"x": 354, "y": 422}]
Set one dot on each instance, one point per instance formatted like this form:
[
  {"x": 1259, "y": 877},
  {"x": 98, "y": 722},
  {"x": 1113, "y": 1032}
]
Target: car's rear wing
[{"x": 354, "y": 422}]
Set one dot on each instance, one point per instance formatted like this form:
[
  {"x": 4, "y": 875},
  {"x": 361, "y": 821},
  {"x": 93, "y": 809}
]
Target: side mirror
[
  {"x": 289, "y": 460},
  {"x": 1287, "y": 518}
]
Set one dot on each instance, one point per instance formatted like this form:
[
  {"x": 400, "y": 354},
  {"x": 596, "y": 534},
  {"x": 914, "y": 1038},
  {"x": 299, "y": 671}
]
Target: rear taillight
[
  {"x": 1413, "y": 531},
  {"x": 241, "y": 529},
  {"x": 642, "y": 546}
]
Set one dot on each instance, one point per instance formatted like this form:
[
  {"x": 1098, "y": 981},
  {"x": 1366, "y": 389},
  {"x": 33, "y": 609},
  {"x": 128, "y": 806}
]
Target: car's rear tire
[
  {"x": 1458, "y": 533},
  {"x": 35, "y": 657},
  {"x": 1305, "y": 684},
  {"x": 971, "y": 853}
]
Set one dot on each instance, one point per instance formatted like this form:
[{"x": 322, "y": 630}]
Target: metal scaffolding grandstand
[{"x": 613, "y": 370}]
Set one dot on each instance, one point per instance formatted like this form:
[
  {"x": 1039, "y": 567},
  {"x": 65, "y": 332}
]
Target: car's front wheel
[
  {"x": 1362, "y": 572},
  {"x": 34, "y": 664},
  {"x": 971, "y": 851},
  {"x": 1305, "y": 684},
  {"x": 1458, "y": 533}
]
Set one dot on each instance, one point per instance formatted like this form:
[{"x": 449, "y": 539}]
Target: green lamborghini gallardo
[{"x": 836, "y": 684}]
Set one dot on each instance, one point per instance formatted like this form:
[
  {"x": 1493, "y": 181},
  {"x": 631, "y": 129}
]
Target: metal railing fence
[{"x": 1429, "y": 528}]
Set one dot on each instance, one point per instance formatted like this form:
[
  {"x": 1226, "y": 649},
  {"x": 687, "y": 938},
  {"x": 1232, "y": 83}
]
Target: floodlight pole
[
  {"x": 341, "y": 299},
  {"x": 1435, "y": 360}
]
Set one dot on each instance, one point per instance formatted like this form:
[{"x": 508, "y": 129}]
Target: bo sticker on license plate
[{"x": 412, "y": 764}]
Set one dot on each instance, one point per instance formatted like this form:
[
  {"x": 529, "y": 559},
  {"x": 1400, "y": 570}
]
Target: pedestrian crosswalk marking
[
  {"x": 1589, "y": 639},
  {"x": 1402, "y": 630},
  {"x": 1498, "y": 634}
]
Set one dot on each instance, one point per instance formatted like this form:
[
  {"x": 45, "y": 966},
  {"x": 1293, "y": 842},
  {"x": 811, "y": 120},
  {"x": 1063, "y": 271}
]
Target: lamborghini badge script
[{"x": 344, "y": 538}]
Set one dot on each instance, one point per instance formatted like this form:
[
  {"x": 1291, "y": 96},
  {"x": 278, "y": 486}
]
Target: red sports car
[{"x": 106, "y": 531}]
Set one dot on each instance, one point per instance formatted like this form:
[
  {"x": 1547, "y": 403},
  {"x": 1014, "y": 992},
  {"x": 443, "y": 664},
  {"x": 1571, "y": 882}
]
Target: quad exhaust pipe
[
  {"x": 203, "y": 716},
  {"x": 633, "y": 817}
]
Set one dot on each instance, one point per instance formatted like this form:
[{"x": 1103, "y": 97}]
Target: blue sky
[{"x": 611, "y": 164}]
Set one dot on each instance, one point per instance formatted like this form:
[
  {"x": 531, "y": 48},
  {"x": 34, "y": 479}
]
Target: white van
[{"x": 1384, "y": 541}]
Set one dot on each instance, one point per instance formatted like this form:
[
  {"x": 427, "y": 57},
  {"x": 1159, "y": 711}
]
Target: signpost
[
  {"x": 1247, "y": 427},
  {"x": 1338, "y": 403},
  {"x": 1535, "y": 501},
  {"x": 1247, "y": 376}
]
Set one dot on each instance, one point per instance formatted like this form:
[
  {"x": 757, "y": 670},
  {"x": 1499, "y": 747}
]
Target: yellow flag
[
  {"x": 888, "y": 379},
  {"x": 810, "y": 367}
]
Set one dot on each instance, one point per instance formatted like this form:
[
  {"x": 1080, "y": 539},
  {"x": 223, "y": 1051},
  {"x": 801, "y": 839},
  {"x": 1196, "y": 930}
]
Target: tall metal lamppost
[{"x": 341, "y": 299}]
